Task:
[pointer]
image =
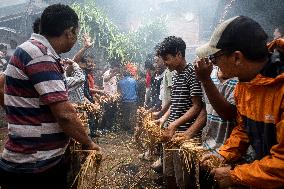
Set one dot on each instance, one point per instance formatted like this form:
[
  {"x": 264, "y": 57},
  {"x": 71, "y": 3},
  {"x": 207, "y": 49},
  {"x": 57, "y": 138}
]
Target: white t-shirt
[
  {"x": 110, "y": 87},
  {"x": 165, "y": 88}
]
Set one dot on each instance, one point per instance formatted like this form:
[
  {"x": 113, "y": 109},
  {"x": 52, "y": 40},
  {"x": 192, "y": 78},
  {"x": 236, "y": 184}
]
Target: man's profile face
[
  {"x": 90, "y": 62},
  {"x": 159, "y": 64},
  {"x": 226, "y": 64},
  {"x": 71, "y": 38},
  {"x": 172, "y": 61}
]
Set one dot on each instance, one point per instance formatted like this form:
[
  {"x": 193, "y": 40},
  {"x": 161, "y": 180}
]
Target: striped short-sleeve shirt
[
  {"x": 217, "y": 130},
  {"x": 34, "y": 79},
  {"x": 185, "y": 85}
]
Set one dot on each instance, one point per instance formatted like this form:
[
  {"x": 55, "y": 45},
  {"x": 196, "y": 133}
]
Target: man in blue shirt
[{"x": 127, "y": 87}]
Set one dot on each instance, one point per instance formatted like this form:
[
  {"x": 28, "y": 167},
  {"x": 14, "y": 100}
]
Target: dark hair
[
  {"x": 3, "y": 47},
  {"x": 149, "y": 61},
  {"x": 126, "y": 72},
  {"x": 245, "y": 35},
  {"x": 36, "y": 25},
  {"x": 171, "y": 45},
  {"x": 13, "y": 44},
  {"x": 115, "y": 62},
  {"x": 84, "y": 58},
  {"x": 56, "y": 18}
]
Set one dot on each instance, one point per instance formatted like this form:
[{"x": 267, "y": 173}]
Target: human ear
[
  {"x": 179, "y": 54},
  {"x": 238, "y": 57},
  {"x": 70, "y": 32}
]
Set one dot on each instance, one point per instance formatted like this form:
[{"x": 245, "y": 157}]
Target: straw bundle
[
  {"x": 138, "y": 133},
  {"x": 93, "y": 108},
  {"x": 192, "y": 151},
  {"x": 147, "y": 132},
  {"x": 109, "y": 99},
  {"x": 154, "y": 131},
  {"x": 90, "y": 161}
]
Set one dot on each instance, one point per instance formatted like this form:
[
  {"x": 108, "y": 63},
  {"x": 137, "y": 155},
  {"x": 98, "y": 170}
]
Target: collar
[{"x": 46, "y": 43}]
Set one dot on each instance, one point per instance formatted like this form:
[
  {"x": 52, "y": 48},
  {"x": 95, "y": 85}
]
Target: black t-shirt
[{"x": 155, "y": 101}]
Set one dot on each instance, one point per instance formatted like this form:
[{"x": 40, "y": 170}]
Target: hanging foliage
[{"x": 132, "y": 46}]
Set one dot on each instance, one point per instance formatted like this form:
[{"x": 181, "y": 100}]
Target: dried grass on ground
[{"x": 121, "y": 167}]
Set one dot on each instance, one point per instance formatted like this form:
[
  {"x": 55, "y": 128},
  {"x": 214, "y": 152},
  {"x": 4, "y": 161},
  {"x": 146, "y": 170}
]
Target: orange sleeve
[
  {"x": 267, "y": 172},
  {"x": 236, "y": 145}
]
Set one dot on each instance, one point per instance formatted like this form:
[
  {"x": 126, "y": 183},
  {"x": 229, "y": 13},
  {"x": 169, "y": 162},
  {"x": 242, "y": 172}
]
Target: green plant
[{"x": 131, "y": 46}]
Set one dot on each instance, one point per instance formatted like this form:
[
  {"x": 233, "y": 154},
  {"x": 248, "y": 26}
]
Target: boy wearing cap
[
  {"x": 238, "y": 48},
  {"x": 186, "y": 104}
]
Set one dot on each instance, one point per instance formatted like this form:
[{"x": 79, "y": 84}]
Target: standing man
[
  {"x": 238, "y": 48},
  {"x": 148, "y": 77},
  {"x": 165, "y": 97},
  {"x": 40, "y": 118},
  {"x": 186, "y": 104},
  {"x": 110, "y": 89},
  {"x": 127, "y": 87},
  {"x": 155, "y": 102}
]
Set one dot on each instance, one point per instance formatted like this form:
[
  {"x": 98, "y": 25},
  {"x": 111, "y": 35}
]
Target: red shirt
[
  {"x": 91, "y": 81},
  {"x": 148, "y": 79}
]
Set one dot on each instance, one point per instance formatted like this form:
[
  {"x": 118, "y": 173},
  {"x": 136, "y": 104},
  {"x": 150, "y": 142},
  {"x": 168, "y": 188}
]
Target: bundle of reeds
[
  {"x": 192, "y": 152},
  {"x": 153, "y": 130},
  {"x": 93, "y": 108},
  {"x": 89, "y": 163},
  {"x": 138, "y": 131},
  {"x": 147, "y": 132},
  {"x": 109, "y": 98}
]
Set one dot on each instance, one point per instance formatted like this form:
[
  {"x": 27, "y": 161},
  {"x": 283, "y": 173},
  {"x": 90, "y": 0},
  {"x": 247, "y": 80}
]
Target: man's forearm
[
  {"x": 224, "y": 109},
  {"x": 75, "y": 129},
  {"x": 191, "y": 113},
  {"x": 68, "y": 120},
  {"x": 198, "y": 124},
  {"x": 166, "y": 115},
  {"x": 165, "y": 108},
  {"x": 94, "y": 90},
  {"x": 79, "y": 55}
]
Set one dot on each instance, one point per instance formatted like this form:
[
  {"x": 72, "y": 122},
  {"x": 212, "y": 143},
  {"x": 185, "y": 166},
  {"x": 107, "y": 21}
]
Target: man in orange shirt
[{"x": 238, "y": 48}]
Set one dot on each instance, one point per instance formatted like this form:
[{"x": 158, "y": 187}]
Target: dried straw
[
  {"x": 147, "y": 133},
  {"x": 109, "y": 99},
  {"x": 89, "y": 167}
]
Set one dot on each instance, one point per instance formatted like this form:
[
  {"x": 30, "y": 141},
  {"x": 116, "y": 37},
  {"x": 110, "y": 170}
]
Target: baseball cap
[{"x": 239, "y": 33}]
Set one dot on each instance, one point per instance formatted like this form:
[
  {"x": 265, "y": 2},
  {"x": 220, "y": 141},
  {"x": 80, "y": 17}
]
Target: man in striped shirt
[
  {"x": 186, "y": 104},
  {"x": 40, "y": 117}
]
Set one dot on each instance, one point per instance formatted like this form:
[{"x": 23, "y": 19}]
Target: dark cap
[{"x": 237, "y": 34}]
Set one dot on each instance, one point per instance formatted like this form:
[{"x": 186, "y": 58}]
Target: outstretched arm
[{"x": 87, "y": 44}]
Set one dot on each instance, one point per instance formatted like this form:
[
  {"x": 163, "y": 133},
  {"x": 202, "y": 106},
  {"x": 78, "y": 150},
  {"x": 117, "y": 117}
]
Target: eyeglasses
[{"x": 213, "y": 57}]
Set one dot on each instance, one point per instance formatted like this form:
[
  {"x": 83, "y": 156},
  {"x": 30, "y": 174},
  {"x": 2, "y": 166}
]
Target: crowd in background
[{"x": 230, "y": 99}]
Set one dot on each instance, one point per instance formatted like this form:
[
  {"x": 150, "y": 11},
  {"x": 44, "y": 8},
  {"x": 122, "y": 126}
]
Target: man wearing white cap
[{"x": 238, "y": 48}]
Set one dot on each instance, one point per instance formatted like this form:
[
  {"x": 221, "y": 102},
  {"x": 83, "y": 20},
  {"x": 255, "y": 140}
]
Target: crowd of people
[{"x": 230, "y": 99}]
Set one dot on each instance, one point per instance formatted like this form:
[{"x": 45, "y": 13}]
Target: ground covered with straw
[{"x": 120, "y": 168}]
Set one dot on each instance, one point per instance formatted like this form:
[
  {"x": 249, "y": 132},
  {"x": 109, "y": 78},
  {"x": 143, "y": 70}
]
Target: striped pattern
[
  {"x": 34, "y": 79},
  {"x": 75, "y": 84},
  {"x": 217, "y": 130},
  {"x": 185, "y": 85}
]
